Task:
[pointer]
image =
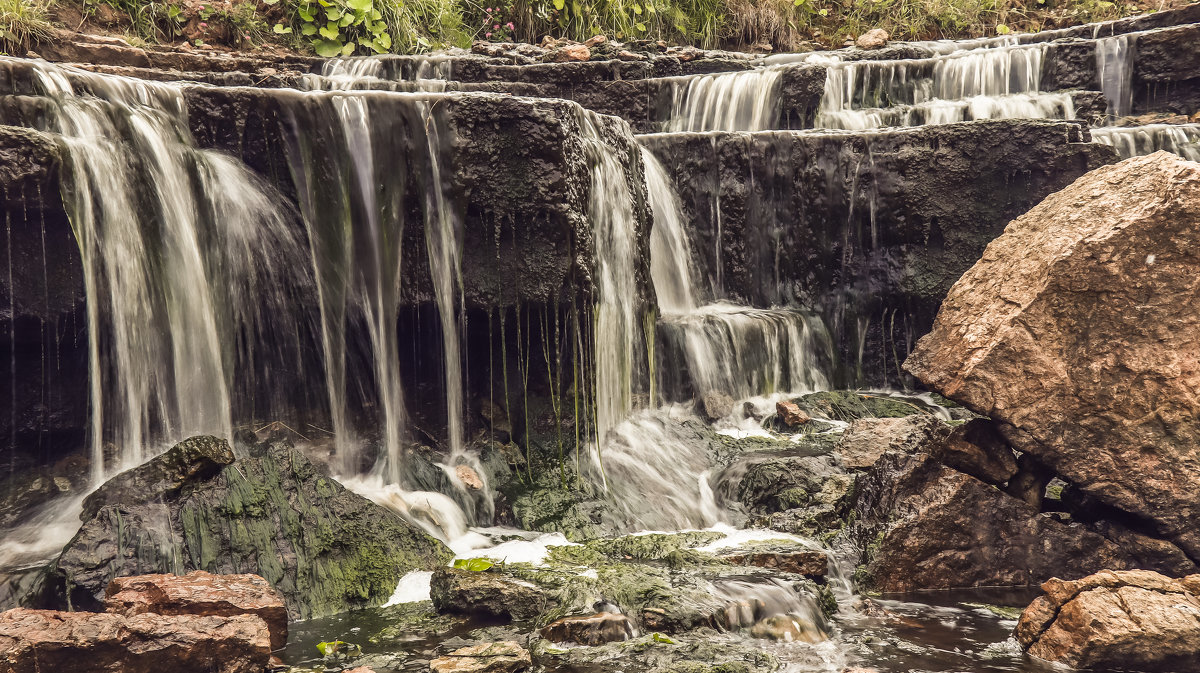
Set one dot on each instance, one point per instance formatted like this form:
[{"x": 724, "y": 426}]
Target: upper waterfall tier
[
  {"x": 491, "y": 225},
  {"x": 869, "y": 229}
]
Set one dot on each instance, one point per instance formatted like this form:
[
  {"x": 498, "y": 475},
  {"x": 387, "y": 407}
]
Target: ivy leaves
[{"x": 341, "y": 27}]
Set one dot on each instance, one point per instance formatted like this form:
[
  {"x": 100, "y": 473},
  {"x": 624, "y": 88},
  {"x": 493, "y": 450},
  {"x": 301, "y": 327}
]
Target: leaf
[
  {"x": 637, "y": 9},
  {"x": 376, "y": 15},
  {"x": 660, "y": 638},
  {"x": 281, "y": 29},
  {"x": 476, "y": 565},
  {"x": 347, "y": 49},
  {"x": 308, "y": 29},
  {"x": 641, "y": 27},
  {"x": 325, "y": 3},
  {"x": 346, "y": 20},
  {"x": 360, "y": 5},
  {"x": 385, "y": 40},
  {"x": 560, "y": 4},
  {"x": 1002, "y": 29},
  {"x": 326, "y": 48},
  {"x": 333, "y": 14},
  {"x": 327, "y": 648},
  {"x": 305, "y": 14},
  {"x": 330, "y": 32},
  {"x": 376, "y": 27}
]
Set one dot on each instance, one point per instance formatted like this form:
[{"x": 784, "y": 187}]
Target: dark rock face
[
  {"x": 272, "y": 514},
  {"x": 192, "y": 460},
  {"x": 1077, "y": 333},
  {"x": 1166, "y": 74},
  {"x": 200, "y": 594},
  {"x": 36, "y": 641},
  {"x": 922, "y": 525},
  {"x": 517, "y": 169},
  {"x": 978, "y": 449},
  {"x": 1119, "y": 620},
  {"x": 876, "y": 226},
  {"x": 41, "y": 304},
  {"x": 482, "y": 593}
]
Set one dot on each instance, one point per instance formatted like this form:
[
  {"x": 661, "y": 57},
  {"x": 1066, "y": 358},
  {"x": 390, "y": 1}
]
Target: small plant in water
[{"x": 338, "y": 651}]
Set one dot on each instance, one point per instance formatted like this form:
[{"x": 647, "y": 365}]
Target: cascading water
[
  {"x": 1136, "y": 141},
  {"x": 988, "y": 83},
  {"x": 739, "y": 101}
]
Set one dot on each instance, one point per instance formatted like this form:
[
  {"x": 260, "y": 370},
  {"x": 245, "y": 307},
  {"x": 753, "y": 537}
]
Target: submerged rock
[
  {"x": 39, "y": 641},
  {"x": 1116, "y": 619},
  {"x": 484, "y": 593},
  {"x": 201, "y": 594},
  {"x": 271, "y": 513},
  {"x": 505, "y": 657},
  {"x": 597, "y": 629},
  {"x": 1079, "y": 332}
]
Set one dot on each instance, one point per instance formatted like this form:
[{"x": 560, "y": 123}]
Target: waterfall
[
  {"x": 354, "y": 166},
  {"x": 738, "y": 101},
  {"x": 342, "y": 74},
  {"x": 671, "y": 266},
  {"x": 1136, "y": 141},
  {"x": 181, "y": 297},
  {"x": 990, "y": 83},
  {"x": 1114, "y": 67},
  {"x": 618, "y": 324}
]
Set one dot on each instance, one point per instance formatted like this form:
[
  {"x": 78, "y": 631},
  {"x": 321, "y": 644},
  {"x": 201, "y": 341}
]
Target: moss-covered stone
[{"x": 272, "y": 513}]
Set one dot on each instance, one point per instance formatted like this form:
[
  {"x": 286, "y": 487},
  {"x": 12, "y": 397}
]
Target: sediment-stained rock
[
  {"x": 200, "y": 594},
  {"x": 597, "y": 629},
  {"x": 483, "y": 593},
  {"x": 1116, "y": 619},
  {"x": 38, "y": 641},
  {"x": 1079, "y": 333}
]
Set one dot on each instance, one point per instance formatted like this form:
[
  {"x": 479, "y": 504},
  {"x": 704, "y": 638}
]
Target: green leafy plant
[
  {"x": 338, "y": 650},
  {"x": 342, "y": 27},
  {"x": 476, "y": 565}
]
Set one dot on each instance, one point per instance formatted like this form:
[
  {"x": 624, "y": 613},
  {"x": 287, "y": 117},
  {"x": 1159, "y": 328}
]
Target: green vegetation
[
  {"x": 343, "y": 27},
  {"x": 22, "y": 22}
]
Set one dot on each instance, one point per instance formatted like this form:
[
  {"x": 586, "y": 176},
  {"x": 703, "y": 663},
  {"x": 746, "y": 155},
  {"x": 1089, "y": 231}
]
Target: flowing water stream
[{"x": 183, "y": 302}]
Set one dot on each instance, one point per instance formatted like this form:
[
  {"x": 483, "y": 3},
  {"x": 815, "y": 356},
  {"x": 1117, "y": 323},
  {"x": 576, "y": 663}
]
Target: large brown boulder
[
  {"x": 38, "y": 641},
  {"x": 201, "y": 594},
  {"x": 1079, "y": 331},
  {"x": 1116, "y": 619}
]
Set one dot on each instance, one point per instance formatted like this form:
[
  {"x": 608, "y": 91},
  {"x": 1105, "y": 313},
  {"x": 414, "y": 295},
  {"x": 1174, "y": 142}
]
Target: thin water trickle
[{"x": 1114, "y": 69}]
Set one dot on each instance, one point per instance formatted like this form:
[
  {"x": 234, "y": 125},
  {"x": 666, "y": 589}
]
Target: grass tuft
[{"x": 23, "y": 22}]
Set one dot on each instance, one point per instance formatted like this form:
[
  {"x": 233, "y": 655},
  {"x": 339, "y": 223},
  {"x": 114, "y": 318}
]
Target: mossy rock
[
  {"x": 850, "y": 405},
  {"x": 272, "y": 513}
]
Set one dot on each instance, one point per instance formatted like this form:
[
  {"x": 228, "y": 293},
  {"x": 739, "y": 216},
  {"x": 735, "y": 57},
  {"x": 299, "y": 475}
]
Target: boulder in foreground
[
  {"x": 39, "y": 641},
  {"x": 1079, "y": 333},
  {"x": 203, "y": 595},
  {"x": 1116, "y": 619}
]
